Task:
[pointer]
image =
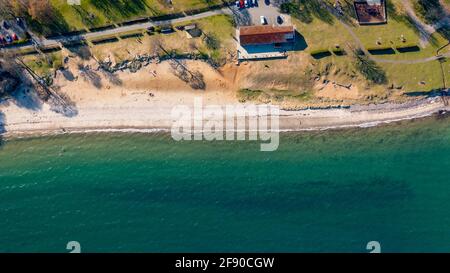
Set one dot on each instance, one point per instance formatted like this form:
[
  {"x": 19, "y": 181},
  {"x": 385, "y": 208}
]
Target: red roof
[
  {"x": 371, "y": 13},
  {"x": 253, "y": 35}
]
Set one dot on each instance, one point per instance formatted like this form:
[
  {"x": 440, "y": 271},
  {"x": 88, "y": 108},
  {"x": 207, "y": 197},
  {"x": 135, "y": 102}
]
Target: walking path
[
  {"x": 57, "y": 41},
  {"x": 381, "y": 60},
  {"x": 424, "y": 29}
]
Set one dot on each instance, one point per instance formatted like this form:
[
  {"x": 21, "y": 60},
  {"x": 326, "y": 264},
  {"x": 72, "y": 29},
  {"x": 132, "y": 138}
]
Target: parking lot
[
  {"x": 251, "y": 15},
  {"x": 11, "y": 31}
]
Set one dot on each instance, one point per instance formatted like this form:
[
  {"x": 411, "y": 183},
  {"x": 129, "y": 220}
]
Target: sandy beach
[{"x": 144, "y": 101}]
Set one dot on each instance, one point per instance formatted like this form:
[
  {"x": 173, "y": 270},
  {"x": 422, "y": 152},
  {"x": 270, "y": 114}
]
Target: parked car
[
  {"x": 237, "y": 4},
  {"x": 19, "y": 22},
  {"x": 8, "y": 39},
  {"x": 14, "y": 37},
  {"x": 241, "y": 4},
  {"x": 2, "y": 40},
  {"x": 255, "y": 3},
  {"x": 267, "y": 2},
  {"x": 246, "y": 3},
  {"x": 280, "y": 19},
  {"x": 263, "y": 20},
  {"x": 5, "y": 25}
]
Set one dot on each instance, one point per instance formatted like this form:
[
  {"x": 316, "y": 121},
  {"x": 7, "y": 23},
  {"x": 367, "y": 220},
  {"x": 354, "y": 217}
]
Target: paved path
[
  {"x": 424, "y": 29},
  {"x": 381, "y": 60},
  {"x": 56, "y": 42}
]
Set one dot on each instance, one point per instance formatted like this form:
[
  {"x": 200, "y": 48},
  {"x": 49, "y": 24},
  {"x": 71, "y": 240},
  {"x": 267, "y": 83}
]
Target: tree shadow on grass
[
  {"x": 445, "y": 32},
  {"x": 420, "y": 32},
  {"x": 113, "y": 8},
  {"x": 87, "y": 18},
  {"x": 402, "y": 17},
  {"x": 307, "y": 10},
  {"x": 79, "y": 47},
  {"x": 52, "y": 24}
]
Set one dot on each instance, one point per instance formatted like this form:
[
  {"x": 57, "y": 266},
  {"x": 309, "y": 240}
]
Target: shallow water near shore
[{"x": 325, "y": 191}]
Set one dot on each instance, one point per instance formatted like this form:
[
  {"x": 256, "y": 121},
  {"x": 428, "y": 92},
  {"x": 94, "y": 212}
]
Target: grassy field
[
  {"x": 43, "y": 66},
  {"x": 128, "y": 45},
  {"x": 415, "y": 77},
  {"x": 293, "y": 79},
  {"x": 97, "y": 13},
  {"x": 321, "y": 35},
  {"x": 221, "y": 26}
]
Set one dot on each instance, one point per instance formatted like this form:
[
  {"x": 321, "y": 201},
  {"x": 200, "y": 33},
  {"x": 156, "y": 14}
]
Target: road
[
  {"x": 57, "y": 41},
  {"x": 424, "y": 29}
]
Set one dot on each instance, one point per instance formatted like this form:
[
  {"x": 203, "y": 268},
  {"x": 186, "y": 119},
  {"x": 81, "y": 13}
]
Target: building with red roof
[{"x": 266, "y": 35}]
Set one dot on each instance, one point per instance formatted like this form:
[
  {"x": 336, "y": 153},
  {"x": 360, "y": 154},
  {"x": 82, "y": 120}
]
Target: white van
[{"x": 263, "y": 20}]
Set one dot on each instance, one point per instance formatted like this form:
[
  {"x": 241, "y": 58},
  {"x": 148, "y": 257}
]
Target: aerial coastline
[
  {"x": 145, "y": 104},
  {"x": 131, "y": 77},
  {"x": 172, "y": 127}
]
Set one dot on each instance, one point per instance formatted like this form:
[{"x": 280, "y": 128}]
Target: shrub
[
  {"x": 212, "y": 42},
  {"x": 369, "y": 69}
]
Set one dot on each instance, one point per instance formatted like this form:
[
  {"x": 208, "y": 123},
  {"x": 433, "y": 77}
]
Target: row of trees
[
  {"x": 36, "y": 9},
  {"x": 431, "y": 10},
  {"x": 306, "y": 10},
  {"x": 40, "y": 15}
]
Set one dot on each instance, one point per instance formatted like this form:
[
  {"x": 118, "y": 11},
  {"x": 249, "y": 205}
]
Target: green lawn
[
  {"x": 96, "y": 13},
  {"x": 43, "y": 66},
  {"x": 222, "y": 28},
  {"x": 388, "y": 35},
  {"x": 319, "y": 35},
  {"x": 410, "y": 76},
  {"x": 323, "y": 35}
]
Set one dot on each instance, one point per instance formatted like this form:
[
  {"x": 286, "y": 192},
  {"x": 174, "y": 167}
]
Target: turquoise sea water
[{"x": 330, "y": 191}]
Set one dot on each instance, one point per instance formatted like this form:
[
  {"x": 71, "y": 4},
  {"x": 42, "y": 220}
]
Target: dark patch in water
[{"x": 284, "y": 196}]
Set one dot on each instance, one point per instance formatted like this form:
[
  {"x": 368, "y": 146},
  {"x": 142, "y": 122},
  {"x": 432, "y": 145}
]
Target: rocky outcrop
[
  {"x": 132, "y": 65},
  {"x": 141, "y": 61}
]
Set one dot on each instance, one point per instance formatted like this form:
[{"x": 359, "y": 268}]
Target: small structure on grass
[
  {"x": 266, "y": 35},
  {"x": 370, "y": 12}
]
